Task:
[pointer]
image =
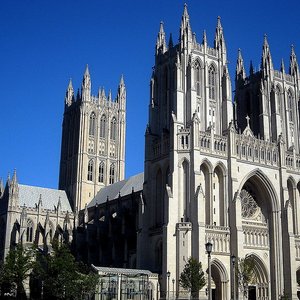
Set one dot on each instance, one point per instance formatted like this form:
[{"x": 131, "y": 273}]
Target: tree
[
  {"x": 245, "y": 273},
  {"x": 16, "y": 270},
  {"x": 192, "y": 277},
  {"x": 62, "y": 277}
]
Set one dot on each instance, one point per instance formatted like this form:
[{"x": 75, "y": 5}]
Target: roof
[
  {"x": 123, "y": 187},
  {"x": 30, "y": 195},
  {"x": 122, "y": 271}
]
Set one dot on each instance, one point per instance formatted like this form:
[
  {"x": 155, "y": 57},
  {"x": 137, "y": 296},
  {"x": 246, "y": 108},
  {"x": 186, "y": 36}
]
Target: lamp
[
  {"x": 168, "y": 275},
  {"x": 233, "y": 258},
  {"x": 208, "y": 247}
]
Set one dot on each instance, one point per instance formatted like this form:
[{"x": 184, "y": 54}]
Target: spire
[
  {"x": 109, "y": 96},
  {"x": 14, "y": 178},
  {"x": 266, "y": 60},
  {"x": 161, "y": 46},
  {"x": 185, "y": 28},
  {"x": 219, "y": 38},
  {"x": 121, "y": 97},
  {"x": 204, "y": 40},
  {"x": 194, "y": 38},
  {"x": 69, "y": 98},
  {"x": 86, "y": 85},
  {"x": 294, "y": 68},
  {"x": 240, "y": 70}
]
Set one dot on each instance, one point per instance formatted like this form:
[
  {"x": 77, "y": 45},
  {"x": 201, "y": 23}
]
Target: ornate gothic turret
[
  {"x": 240, "y": 73},
  {"x": 86, "y": 85},
  {"x": 69, "y": 94},
  {"x": 266, "y": 60},
  {"x": 219, "y": 42},
  {"x": 185, "y": 36},
  {"x": 161, "y": 46},
  {"x": 294, "y": 68}
]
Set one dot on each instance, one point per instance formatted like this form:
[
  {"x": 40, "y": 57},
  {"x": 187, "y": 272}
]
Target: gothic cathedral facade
[
  {"x": 93, "y": 142},
  {"x": 220, "y": 169}
]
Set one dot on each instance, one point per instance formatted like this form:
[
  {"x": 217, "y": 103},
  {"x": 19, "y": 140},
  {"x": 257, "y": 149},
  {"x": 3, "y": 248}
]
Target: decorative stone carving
[{"x": 250, "y": 209}]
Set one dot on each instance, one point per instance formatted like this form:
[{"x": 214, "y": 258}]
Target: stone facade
[
  {"x": 93, "y": 142},
  {"x": 218, "y": 173},
  {"x": 33, "y": 215}
]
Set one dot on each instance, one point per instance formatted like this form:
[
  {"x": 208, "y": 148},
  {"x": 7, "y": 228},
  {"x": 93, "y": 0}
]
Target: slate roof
[
  {"x": 124, "y": 187},
  {"x": 30, "y": 195}
]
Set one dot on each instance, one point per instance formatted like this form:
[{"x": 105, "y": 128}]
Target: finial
[
  {"x": 122, "y": 80},
  {"x": 204, "y": 37},
  {"x": 185, "y": 12},
  {"x": 248, "y": 120},
  {"x": 87, "y": 73},
  {"x": 219, "y": 22}
]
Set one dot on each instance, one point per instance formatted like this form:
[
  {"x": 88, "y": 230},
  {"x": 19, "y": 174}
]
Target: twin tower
[{"x": 93, "y": 141}]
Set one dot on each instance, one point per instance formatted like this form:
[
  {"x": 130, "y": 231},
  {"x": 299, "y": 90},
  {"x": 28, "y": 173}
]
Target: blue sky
[{"x": 45, "y": 43}]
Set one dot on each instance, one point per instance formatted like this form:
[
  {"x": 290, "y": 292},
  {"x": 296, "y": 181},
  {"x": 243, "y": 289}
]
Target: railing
[
  {"x": 249, "y": 148},
  {"x": 219, "y": 236}
]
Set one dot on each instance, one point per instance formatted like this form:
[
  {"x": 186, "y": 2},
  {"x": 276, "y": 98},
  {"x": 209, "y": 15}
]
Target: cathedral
[{"x": 218, "y": 168}]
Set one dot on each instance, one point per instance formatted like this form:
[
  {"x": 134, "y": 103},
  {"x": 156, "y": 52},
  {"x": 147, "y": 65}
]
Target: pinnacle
[
  {"x": 219, "y": 22},
  {"x": 204, "y": 37},
  {"x": 87, "y": 73},
  {"x": 161, "y": 27},
  {"x": 122, "y": 80},
  {"x": 185, "y": 11},
  {"x": 14, "y": 178}
]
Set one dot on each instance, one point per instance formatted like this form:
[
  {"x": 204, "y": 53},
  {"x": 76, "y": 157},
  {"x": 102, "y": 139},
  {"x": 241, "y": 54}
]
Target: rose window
[{"x": 249, "y": 207}]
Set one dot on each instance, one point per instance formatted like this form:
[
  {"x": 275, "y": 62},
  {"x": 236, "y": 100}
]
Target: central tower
[{"x": 93, "y": 141}]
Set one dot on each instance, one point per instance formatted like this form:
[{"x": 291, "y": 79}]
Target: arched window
[
  {"x": 92, "y": 124},
  {"x": 290, "y": 106},
  {"x": 101, "y": 172},
  {"x": 112, "y": 174},
  {"x": 29, "y": 231},
  {"x": 198, "y": 79},
  {"x": 113, "y": 129},
  {"x": 102, "y": 126},
  {"x": 90, "y": 170},
  {"x": 212, "y": 82}
]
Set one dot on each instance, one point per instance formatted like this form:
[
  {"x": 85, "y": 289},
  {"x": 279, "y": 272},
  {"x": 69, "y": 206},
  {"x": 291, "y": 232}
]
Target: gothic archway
[
  {"x": 261, "y": 232},
  {"x": 220, "y": 279}
]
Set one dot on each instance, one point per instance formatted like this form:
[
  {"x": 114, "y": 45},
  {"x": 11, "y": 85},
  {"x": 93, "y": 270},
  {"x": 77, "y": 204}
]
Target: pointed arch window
[
  {"x": 112, "y": 174},
  {"x": 290, "y": 106},
  {"x": 92, "y": 124},
  {"x": 197, "y": 77},
  {"x": 212, "y": 83},
  {"x": 90, "y": 170},
  {"x": 29, "y": 231},
  {"x": 102, "y": 126},
  {"x": 113, "y": 129},
  {"x": 101, "y": 172}
]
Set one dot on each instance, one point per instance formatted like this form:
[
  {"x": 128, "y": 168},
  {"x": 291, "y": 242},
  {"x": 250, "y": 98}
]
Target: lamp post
[
  {"x": 173, "y": 281},
  {"x": 233, "y": 268},
  {"x": 168, "y": 275},
  {"x": 208, "y": 247}
]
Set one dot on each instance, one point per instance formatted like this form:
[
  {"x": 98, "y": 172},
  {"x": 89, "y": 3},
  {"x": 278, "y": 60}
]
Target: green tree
[
  {"x": 16, "y": 270},
  {"x": 62, "y": 277},
  {"x": 245, "y": 273},
  {"x": 192, "y": 277}
]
